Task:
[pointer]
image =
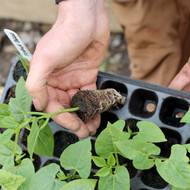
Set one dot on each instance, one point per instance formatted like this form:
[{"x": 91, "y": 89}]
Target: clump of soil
[{"x": 93, "y": 102}]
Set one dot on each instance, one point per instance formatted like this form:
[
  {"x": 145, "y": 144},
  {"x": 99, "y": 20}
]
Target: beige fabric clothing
[{"x": 158, "y": 37}]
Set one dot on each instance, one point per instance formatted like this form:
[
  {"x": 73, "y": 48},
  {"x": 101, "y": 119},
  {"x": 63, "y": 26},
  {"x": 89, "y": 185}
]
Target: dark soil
[
  {"x": 62, "y": 140},
  {"x": 36, "y": 160},
  {"x": 10, "y": 94},
  {"x": 56, "y": 162},
  {"x": 151, "y": 178},
  {"x": 19, "y": 71}
]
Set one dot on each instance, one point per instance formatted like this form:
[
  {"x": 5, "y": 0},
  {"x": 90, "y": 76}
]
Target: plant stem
[
  {"x": 57, "y": 112},
  {"x": 16, "y": 139},
  {"x": 117, "y": 159}
]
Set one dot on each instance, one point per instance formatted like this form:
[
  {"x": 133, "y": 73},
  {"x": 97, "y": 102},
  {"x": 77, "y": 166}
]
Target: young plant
[{"x": 18, "y": 172}]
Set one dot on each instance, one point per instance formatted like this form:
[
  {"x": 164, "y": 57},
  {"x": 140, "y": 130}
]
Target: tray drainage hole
[
  {"x": 152, "y": 179},
  {"x": 172, "y": 110},
  {"x": 143, "y": 103},
  {"x": 62, "y": 140},
  {"x": 150, "y": 106}
]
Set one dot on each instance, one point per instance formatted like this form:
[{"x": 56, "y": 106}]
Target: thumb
[{"x": 36, "y": 82}]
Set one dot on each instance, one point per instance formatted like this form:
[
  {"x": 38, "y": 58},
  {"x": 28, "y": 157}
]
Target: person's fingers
[
  {"x": 93, "y": 125},
  {"x": 36, "y": 82},
  {"x": 182, "y": 79}
]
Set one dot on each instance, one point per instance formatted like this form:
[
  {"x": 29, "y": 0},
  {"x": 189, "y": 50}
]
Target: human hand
[
  {"x": 67, "y": 59},
  {"x": 182, "y": 79}
]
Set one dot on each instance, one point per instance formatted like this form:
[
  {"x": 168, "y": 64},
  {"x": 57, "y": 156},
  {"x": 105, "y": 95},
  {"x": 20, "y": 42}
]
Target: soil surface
[{"x": 116, "y": 59}]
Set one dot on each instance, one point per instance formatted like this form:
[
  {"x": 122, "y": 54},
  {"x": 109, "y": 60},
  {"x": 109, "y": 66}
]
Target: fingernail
[{"x": 37, "y": 104}]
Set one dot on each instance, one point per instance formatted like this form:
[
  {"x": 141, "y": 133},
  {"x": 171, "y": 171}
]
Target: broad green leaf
[
  {"x": 25, "y": 169},
  {"x": 120, "y": 124},
  {"x": 80, "y": 184},
  {"x": 100, "y": 162},
  {"x": 176, "y": 169},
  {"x": 176, "y": 188},
  {"x": 7, "y": 152},
  {"x": 104, "y": 144},
  {"x": 40, "y": 141},
  {"x": 15, "y": 108},
  {"x": 139, "y": 152},
  {"x": 103, "y": 172},
  {"x": 149, "y": 131},
  {"x": 6, "y": 136},
  {"x": 23, "y": 96},
  {"x": 44, "y": 179},
  {"x": 111, "y": 160},
  {"x": 25, "y": 63},
  {"x": 22, "y": 103},
  {"x": 78, "y": 157},
  {"x": 8, "y": 123},
  {"x": 119, "y": 180},
  {"x": 4, "y": 111},
  {"x": 186, "y": 118},
  {"x": 10, "y": 181}
]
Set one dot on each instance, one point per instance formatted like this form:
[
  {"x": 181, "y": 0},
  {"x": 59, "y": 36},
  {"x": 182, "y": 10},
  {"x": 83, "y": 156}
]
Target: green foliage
[
  {"x": 40, "y": 140},
  {"x": 25, "y": 169},
  {"x": 78, "y": 157},
  {"x": 18, "y": 173},
  {"x": 45, "y": 179},
  {"x": 10, "y": 181}
]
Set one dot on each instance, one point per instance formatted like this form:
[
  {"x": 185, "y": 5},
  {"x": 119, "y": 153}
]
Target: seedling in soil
[
  {"x": 113, "y": 142},
  {"x": 93, "y": 102}
]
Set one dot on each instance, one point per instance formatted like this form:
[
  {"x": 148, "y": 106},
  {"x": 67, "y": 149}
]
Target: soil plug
[{"x": 93, "y": 102}]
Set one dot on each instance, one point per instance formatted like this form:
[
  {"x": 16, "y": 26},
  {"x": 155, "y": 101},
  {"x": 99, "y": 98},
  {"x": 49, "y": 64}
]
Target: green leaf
[
  {"x": 23, "y": 96},
  {"x": 149, "y": 131},
  {"x": 111, "y": 160},
  {"x": 78, "y": 157},
  {"x": 187, "y": 146},
  {"x": 7, "y": 153},
  {"x": 10, "y": 181},
  {"x": 22, "y": 103},
  {"x": 16, "y": 109},
  {"x": 100, "y": 162},
  {"x": 119, "y": 180},
  {"x": 6, "y": 136},
  {"x": 120, "y": 124},
  {"x": 4, "y": 111},
  {"x": 44, "y": 179},
  {"x": 186, "y": 118},
  {"x": 103, "y": 172},
  {"x": 25, "y": 63},
  {"x": 104, "y": 144},
  {"x": 80, "y": 184},
  {"x": 9, "y": 123},
  {"x": 40, "y": 141},
  {"x": 176, "y": 169},
  {"x": 139, "y": 152},
  {"x": 25, "y": 169}
]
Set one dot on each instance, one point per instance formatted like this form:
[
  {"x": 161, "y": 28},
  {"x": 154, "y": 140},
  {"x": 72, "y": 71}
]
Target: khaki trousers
[{"x": 158, "y": 37}]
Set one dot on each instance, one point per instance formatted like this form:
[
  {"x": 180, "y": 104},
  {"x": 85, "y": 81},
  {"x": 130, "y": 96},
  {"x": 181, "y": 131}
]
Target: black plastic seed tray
[{"x": 144, "y": 101}]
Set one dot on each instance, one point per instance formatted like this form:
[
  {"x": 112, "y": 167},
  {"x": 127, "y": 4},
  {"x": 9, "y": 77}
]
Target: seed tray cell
[{"x": 144, "y": 101}]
